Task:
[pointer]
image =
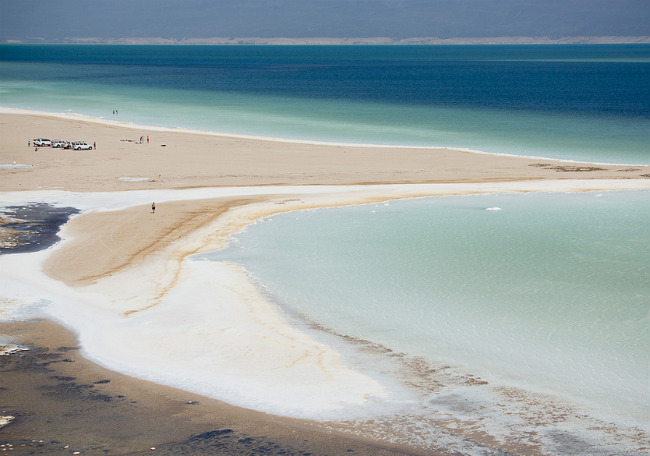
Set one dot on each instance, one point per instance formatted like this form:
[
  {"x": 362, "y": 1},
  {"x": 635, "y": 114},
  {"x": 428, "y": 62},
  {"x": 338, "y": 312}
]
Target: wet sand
[{"x": 62, "y": 404}]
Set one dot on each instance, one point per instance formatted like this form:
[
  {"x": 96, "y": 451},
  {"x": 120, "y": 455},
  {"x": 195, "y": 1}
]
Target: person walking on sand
[{"x": 153, "y": 208}]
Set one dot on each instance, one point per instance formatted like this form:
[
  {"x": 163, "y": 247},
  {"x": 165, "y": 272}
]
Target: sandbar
[{"x": 178, "y": 159}]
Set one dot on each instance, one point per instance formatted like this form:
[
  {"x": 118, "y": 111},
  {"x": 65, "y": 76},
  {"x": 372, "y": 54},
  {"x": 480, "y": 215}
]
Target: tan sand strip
[{"x": 201, "y": 160}]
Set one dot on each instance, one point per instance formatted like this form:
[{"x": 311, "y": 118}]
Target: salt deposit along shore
[{"x": 122, "y": 278}]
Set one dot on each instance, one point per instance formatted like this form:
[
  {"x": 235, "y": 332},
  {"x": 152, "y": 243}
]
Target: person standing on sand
[{"x": 153, "y": 208}]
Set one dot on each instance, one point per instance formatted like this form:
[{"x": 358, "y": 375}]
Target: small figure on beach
[
  {"x": 147, "y": 139},
  {"x": 29, "y": 143},
  {"x": 153, "y": 208},
  {"x": 95, "y": 145}
]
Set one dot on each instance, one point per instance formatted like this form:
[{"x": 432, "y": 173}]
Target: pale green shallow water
[{"x": 547, "y": 291}]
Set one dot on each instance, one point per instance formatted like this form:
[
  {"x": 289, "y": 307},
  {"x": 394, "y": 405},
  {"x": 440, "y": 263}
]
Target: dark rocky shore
[{"x": 31, "y": 227}]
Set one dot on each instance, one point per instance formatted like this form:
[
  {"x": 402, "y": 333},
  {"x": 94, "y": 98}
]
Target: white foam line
[{"x": 110, "y": 201}]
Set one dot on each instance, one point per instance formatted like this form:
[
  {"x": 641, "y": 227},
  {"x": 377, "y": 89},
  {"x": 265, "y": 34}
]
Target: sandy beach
[
  {"x": 177, "y": 159},
  {"x": 105, "y": 247}
]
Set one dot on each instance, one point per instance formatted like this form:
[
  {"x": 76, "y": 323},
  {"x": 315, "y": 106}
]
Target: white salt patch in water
[
  {"x": 5, "y": 420},
  {"x": 10, "y": 349},
  {"x": 15, "y": 166}
]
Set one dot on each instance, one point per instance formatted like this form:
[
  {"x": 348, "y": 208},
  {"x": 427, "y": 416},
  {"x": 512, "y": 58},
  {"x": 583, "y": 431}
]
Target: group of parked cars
[{"x": 58, "y": 143}]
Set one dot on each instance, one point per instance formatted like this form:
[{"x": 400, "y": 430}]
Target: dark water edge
[{"x": 31, "y": 227}]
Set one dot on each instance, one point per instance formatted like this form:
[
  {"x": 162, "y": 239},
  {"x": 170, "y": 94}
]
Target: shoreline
[
  {"x": 76, "y": 117},
  {"x": 176, "y": 160},
  {"x": 203, "y": 214}
]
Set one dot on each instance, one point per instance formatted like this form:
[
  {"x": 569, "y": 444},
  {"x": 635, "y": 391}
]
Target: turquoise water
[
  {"x": 573, "y": 102},
  {"x": 552, "y": 291}
]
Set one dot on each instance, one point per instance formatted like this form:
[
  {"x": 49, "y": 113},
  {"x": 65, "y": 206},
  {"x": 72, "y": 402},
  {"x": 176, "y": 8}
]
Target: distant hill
[{"x": 357, "y": 41}]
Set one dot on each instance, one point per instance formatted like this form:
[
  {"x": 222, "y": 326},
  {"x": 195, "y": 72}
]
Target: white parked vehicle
[
  {"x": 80, "y": 145},
  {"x": 59, "y": 143},
  {"x": 42, "y": 142}
]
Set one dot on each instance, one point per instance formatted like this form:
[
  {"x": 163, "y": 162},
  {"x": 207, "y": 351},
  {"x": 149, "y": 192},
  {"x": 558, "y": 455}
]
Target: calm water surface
[{"x": 549, "y": 290}]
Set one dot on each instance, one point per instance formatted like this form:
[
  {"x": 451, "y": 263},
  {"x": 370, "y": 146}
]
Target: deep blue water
[
  {"x": 576, "y": 102},
  {"x": 591, "y": 79}
]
